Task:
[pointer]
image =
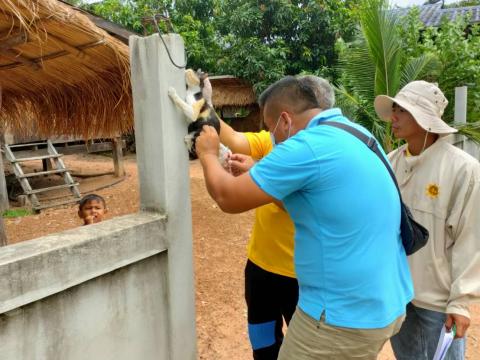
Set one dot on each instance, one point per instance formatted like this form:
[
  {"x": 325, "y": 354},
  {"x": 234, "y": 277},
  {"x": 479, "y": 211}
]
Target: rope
[{"x": 166, "y": 48}]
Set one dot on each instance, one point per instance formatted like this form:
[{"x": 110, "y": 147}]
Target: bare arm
[
  {"x": 240, "y": 164},
  {"x": 236, "y": 141},
  {"x": 232, "y": 194}
]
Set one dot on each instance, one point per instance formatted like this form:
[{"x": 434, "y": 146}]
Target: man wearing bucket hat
[{"x": 440, "y": 184}]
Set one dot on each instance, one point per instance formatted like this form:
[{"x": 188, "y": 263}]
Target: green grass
[{"x": 16, "y": 213}]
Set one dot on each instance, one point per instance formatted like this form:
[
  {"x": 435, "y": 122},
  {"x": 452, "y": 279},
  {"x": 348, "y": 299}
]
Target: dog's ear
[
  {"x": 191, "y": 78},
  {"x": 201, "y": 75}
]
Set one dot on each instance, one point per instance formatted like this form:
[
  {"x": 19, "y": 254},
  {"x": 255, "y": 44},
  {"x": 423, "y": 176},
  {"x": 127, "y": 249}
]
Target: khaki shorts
[{"x": 310, "y": 339}]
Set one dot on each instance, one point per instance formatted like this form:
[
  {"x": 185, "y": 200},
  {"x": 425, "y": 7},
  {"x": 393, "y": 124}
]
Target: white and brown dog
[{"x": 198, "y": 110}]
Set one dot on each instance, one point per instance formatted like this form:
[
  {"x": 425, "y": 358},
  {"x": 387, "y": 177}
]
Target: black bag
[{"x": 414, "y": 235}]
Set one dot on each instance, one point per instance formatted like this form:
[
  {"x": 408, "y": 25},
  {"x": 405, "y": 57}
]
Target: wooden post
[
  {"x": 3, "y": 201},
  {"x": 117, "y": 152},
  {"x": 47, "y": 165},
  {"x": 3, "y": 186},
  {"x": 3, "y": 234}
]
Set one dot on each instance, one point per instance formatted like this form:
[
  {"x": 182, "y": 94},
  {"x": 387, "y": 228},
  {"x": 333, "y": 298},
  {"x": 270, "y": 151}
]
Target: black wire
[{"x": 166, "y": 48}]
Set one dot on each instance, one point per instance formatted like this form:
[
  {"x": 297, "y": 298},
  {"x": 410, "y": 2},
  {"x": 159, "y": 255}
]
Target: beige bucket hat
[{"x": 424, "y": 100}]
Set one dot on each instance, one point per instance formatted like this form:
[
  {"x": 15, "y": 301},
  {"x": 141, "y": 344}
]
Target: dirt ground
[{"x": 219, "y": 249}]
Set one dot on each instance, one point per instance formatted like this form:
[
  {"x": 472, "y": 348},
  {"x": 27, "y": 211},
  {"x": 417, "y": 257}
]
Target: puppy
[{"x": 198, "y": 110}]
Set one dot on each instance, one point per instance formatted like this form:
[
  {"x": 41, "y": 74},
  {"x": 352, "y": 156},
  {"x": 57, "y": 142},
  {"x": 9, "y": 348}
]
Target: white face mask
[{"x": 272, "y": 133}]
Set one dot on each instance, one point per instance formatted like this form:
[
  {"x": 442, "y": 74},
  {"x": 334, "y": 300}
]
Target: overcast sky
[{"x": 405, "y": 3}]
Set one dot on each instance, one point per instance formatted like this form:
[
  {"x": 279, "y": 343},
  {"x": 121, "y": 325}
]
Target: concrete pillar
[
  {"x": 164, "y": 174},
  {"x": 460, "y": 114},
  {"x": 460, "y": 117}
]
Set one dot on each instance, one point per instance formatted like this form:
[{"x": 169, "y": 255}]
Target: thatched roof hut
[
  {"x": 60, "y": 74},
  {"x": 231, "y": 91},
  {"x": 236, "y": 102}
]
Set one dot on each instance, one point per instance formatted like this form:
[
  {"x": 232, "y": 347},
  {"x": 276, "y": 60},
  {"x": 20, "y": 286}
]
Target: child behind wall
[{"x": 92, "y": 209}]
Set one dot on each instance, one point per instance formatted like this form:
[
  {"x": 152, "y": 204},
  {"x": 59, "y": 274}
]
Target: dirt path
[{"x": 219, "y": 248}]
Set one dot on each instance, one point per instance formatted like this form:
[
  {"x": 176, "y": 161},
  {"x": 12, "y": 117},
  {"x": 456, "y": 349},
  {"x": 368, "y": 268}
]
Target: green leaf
[
  {"x": 470, "y": 130},
  {"x": 419, "y": 67}
]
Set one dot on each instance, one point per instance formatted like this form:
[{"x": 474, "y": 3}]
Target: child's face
[{"x": 92, "y": 212}]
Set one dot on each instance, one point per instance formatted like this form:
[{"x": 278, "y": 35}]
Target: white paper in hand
[{"x": 446, "y": 338}]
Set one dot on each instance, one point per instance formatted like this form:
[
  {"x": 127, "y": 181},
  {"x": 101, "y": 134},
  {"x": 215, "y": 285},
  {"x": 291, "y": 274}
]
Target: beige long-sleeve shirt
[{"x": 441, "y": 186}]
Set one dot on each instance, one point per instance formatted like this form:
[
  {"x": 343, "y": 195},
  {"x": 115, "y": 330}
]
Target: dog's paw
[
  {"x": 189, "y": 139},
  {"x": 172, "y": 92}
]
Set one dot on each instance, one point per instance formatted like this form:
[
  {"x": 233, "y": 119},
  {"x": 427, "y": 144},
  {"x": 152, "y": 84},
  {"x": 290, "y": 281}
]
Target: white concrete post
[
  {"x": 460, "y": 115},
  {"x": 164, "y": 174}
]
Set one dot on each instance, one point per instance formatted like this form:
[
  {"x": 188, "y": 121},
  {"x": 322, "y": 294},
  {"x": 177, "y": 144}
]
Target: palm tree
[{"x": 375, "y": 63}]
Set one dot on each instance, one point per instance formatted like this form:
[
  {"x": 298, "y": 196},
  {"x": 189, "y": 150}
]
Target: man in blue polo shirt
[{"x": 351, "y": 267}]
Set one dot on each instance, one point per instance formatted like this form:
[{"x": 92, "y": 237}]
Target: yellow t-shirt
[{"x": 271, "y": 242}]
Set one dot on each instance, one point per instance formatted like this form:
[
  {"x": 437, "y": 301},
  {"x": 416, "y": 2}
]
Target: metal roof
[{"x": 432, "y": 14}]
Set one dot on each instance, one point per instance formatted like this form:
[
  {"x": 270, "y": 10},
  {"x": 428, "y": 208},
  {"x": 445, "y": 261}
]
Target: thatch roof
[
  {"x": 231, "y": 91},
  {"x": 59, "y": 73},
  {"x": 113, "y": 29}
]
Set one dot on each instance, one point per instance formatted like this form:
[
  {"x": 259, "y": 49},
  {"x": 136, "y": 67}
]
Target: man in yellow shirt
[
  {"x": 441, "y": 185},
  {"x": 271, "y": 289}
]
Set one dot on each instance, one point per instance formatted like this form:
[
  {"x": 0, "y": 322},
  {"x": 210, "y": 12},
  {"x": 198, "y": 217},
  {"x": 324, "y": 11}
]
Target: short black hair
[
  {"x": 301, "y": 94},
  {"x": 324, "y": 92},
  {"x": 91, "y": 197}
]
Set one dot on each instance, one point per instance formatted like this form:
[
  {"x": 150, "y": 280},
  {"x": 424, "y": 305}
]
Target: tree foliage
[
  {"x": 376, "y": 63},
  {"x": 260, "y": 41},
  {"x": 269, "y": 39},
  {"x": 389, "y": 52},
  {"x": 364, "y": 48},
  {"x": 193, "y": 19},
  {"x": 457, "y": 47}
]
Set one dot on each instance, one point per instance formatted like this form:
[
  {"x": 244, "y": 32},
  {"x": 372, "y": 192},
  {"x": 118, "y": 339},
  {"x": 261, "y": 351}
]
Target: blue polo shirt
[{"x": 349, "y": 259}]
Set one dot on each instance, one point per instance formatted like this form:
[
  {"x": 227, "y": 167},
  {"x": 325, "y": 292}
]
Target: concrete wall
[
  {"x": 121, "y": 289},
  {"x": 97, "y": 292}
]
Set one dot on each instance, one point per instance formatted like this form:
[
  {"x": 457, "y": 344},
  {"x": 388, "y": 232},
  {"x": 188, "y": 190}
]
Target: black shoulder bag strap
[
  {"x": 370, "y": 142},
  {"x": 414, "y": 235}
]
